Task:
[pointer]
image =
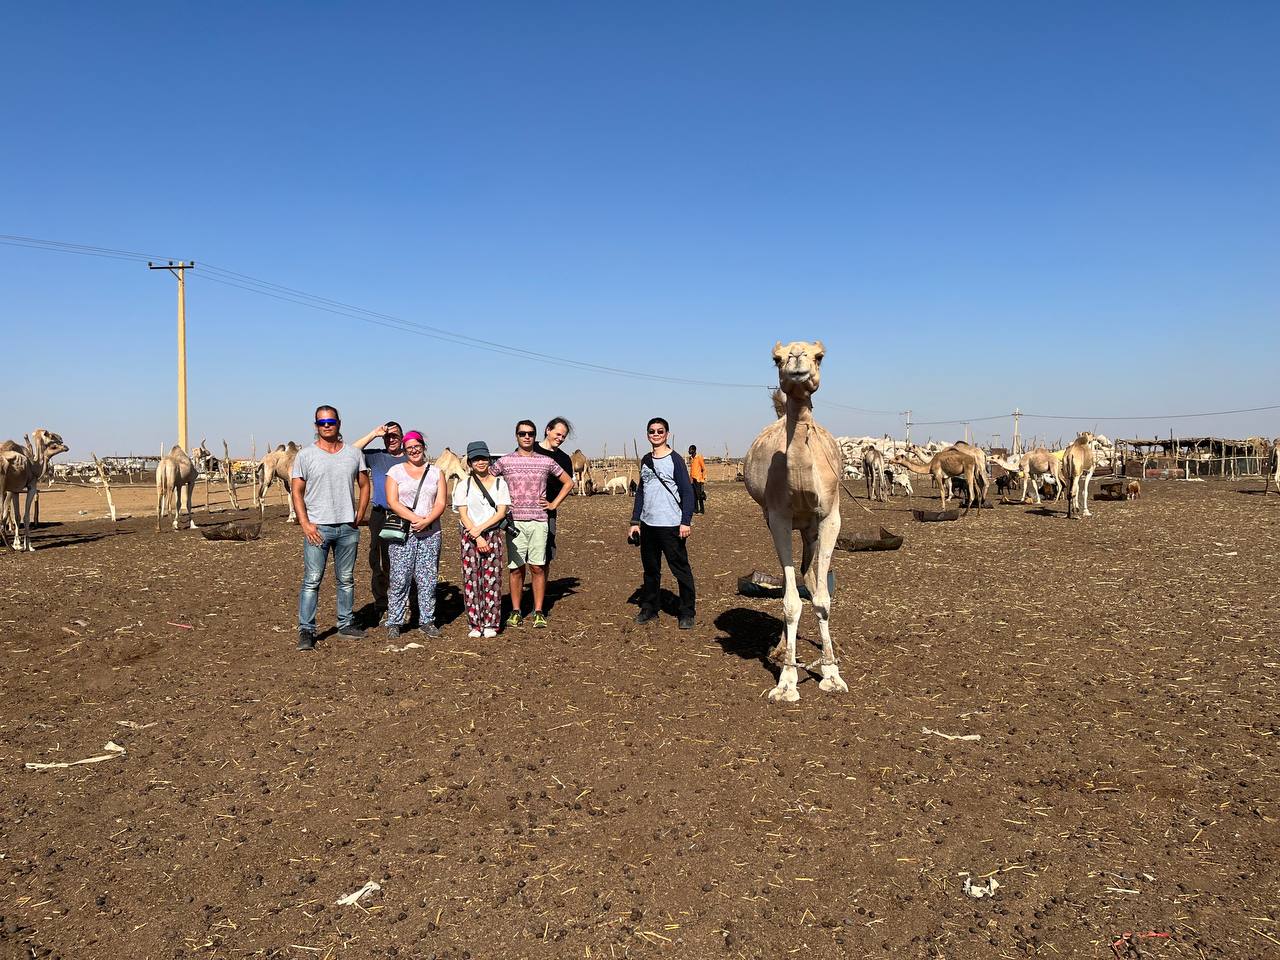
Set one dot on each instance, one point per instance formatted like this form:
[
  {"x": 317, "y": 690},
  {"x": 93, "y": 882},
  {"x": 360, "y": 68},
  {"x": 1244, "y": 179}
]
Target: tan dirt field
[{"x": 601, "y": 789}]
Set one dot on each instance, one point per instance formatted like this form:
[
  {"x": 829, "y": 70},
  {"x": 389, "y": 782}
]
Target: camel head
[
  {"x": 46, "y": 443},
  {"x": 798, "y": 366}
]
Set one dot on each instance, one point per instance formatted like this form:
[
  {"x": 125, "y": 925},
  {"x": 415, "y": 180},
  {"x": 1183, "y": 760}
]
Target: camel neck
[{"x": 799, "y": 411}]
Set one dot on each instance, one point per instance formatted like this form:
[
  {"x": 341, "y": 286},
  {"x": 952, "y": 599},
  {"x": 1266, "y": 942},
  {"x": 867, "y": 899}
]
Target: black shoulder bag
[
  {"x": 647, "y": 461},
  {"x": 396, "y": 528}
]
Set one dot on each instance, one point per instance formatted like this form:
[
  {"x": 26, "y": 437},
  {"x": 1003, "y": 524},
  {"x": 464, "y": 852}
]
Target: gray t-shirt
[
  {"x": 331, "y": 477},
  {"x": 661, "y": 508}
]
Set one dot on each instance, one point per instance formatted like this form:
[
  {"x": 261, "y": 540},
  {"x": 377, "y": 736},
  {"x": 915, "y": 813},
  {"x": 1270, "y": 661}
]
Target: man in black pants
[{"x": 661, "y": 518}]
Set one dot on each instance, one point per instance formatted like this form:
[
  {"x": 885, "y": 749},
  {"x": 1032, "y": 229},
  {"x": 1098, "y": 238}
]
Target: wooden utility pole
[{"x": 179, "y": 270}]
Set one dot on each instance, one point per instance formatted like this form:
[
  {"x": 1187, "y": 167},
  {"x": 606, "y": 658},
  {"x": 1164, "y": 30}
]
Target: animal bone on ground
[{"x": 793, "y": 471}]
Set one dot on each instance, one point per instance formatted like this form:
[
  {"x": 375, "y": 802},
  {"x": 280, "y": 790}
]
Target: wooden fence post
[{"x": 106, "y": 484}]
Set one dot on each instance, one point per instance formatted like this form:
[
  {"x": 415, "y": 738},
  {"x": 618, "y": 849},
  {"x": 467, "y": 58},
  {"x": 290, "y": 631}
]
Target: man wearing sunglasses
[
  {"x": 661, "y": 520},
  {"x": 526, "y": 473},
  {"x": 379, "y": 462},
  {"x": 324, "y": 475}
]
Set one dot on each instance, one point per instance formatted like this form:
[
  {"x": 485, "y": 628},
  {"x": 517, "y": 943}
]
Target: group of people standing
[{"x": 508, "y": 504}]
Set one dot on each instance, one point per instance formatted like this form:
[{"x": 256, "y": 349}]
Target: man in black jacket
[{"x": 661, "y": 518}]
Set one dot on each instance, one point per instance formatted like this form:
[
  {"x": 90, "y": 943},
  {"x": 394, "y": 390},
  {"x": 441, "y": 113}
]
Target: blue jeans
[{"x": 344, "y": 540}]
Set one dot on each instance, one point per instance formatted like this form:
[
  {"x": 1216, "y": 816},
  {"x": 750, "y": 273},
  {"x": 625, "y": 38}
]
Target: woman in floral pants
[
  {"x": 482, "y": 568},
  {"x": 416, "y": 492}
]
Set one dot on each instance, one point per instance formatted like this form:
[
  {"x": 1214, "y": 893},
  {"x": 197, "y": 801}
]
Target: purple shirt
[{"x": 527, "y": 480}]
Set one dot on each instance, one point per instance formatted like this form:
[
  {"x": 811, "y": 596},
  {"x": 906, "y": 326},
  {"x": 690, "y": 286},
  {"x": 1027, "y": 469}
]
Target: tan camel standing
[
  {"x": 277, "y": 465},
  {"x": 176, "y": 471},
  {"x": 945, "y": 464},
  {"x": 873, "y": 472},
  {"x": 13, "y": 480},
  {"x": 1036, "y": 465},
  {"x": 793, "y": 471},
  {"x": 581, "y": 472},
  {"x": 1078, "y": 463},
  {"x": 24, "y": 466},
  {"x": 452, "y": 467}
]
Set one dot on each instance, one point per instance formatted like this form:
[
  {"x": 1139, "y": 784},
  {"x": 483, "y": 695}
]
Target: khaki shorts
[{"x": 527, "y": 544}]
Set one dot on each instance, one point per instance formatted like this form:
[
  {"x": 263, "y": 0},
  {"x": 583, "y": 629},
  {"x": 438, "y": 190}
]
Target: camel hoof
[
  {"x": 193, "y": 526},
  {"x": 784, "y": 694},
  {"x": 831, "y": 681}
]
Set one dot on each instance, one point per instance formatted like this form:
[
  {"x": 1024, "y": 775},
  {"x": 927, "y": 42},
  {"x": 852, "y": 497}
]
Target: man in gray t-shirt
[{"x": 323, "y": 478}]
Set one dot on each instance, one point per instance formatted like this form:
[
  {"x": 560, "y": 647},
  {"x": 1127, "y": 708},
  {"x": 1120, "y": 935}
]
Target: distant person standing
[
  {"x": 323, "y": 477},
  {"x": 526, "y": 474},
  {"x": 416, "y": 492},
  {"x": 661, "y": 518},
  {"x": 698, "y": 474},
  {"x": 553, "y": 437},
  {"x": 379, "y": 462}
]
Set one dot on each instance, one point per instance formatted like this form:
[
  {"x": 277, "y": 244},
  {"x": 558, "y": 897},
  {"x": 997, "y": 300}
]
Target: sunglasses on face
[
  {"x": 327, "y": 422},
  {"x": 394, "y": 436},
  {"x": 657, "y": 430},
  {"x": 413, "y": 448},
  {"x": 525, "y": 433}
]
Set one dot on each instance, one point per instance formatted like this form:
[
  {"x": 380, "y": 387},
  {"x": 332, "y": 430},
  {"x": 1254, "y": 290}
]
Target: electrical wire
[{"x": 249, "y": 284}]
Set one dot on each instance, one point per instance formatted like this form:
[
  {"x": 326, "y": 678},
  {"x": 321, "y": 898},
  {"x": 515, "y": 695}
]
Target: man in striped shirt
[{"x": 526, "y": 473}]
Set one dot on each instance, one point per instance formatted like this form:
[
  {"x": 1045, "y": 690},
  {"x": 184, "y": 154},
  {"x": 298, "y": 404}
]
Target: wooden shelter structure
[{"x": 1178, "y": 457}]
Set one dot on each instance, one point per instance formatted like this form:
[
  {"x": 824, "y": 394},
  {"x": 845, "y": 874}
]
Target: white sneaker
[
  {"x": 490, "y": 633},
  {"x": 474, "y": 634}
]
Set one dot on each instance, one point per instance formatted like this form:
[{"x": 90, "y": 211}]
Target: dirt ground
[{"x": 603, "y": 789}]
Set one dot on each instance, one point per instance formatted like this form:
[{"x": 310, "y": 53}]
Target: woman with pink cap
[{"x": 415, "y": 491}]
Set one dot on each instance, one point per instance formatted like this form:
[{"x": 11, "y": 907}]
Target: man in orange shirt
[{"x": 698, "y": 474}]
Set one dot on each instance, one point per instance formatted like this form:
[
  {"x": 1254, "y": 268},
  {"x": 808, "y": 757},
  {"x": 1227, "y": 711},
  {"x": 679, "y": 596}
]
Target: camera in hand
[{"x": 633, "y": 538}]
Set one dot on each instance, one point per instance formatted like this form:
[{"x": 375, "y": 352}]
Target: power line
[{"x": 266, "y": 288}]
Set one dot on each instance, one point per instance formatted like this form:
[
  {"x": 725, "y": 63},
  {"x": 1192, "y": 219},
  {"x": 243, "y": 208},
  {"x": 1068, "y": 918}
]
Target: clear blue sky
[{"x": 1073, "y": 209}]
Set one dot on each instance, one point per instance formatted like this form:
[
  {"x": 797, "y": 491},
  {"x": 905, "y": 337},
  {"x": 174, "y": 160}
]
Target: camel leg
[
  {"x": 786, "y": 691},
  {"x": 160, "y": 505},
  {"x": 1084, "y": 495},
  {"x": 26, "y": 518},
  {"x": 177, "y": 503},
  {"x": 828, "y": 532},
  {"x": 968, "y": 482},
  {"x": 1071, "y": 498},
  {"x": 191, "y": 521},
  {"x": 288, "y": 495}
]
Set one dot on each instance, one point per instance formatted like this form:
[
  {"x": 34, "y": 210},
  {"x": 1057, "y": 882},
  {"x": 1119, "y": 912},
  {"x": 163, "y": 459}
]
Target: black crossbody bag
[
  {"x": 503, "y": 525},
  {"x": 396, "y": 528},
  {"x": 647, "y": 461}
]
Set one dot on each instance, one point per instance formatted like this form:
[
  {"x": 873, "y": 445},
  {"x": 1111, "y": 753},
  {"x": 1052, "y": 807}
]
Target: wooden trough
[
  {"x": 232, "y": 530},
  {"x": 935, "y": 516},
  {"x": 770, "y": 585},
  {"x": 886, "y": 541}
]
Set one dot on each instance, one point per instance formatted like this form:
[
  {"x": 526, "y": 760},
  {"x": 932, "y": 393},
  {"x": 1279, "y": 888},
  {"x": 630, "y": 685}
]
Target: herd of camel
[
  {"x": 793, "y": 470},
  {"x": 962, "y": 468}
]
